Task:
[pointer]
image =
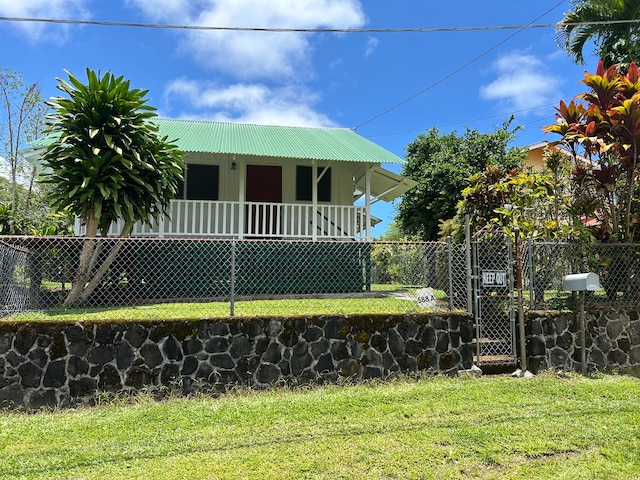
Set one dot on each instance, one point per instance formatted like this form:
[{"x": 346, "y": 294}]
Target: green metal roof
[{"x": 273, "y": 141}]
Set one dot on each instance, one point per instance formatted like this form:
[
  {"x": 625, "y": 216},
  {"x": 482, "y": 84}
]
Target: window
[
  {"x": 202, "y": 182},
  {"x": 303, "y": 184}
]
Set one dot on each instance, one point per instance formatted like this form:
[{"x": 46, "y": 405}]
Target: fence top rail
[
  {"x": 13, "y": 246},
  {"x": 11, "y": 241},
  {"x": 578, "y": 244},
  {"x": 387, "y": 242}
]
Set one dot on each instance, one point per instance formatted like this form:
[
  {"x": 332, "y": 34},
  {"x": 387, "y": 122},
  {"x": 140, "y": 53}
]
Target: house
[
  {"x": 536, "y": 160},
  {"x": 246, "y": 182},
  {"x": 266, "y": 181},
  {"x": 536, "y": 153}
]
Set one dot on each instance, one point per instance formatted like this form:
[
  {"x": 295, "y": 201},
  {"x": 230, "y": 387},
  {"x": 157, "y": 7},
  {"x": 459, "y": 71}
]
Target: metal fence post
[
  {"x": 583, "y": 336},
  {"x": 468, "y": 259},
  {"x": 450, "y": 272},
  {"x": 532, "y": 276},
  {"x": 232, "y": 281},
  {"x": 521, "y": 331}
]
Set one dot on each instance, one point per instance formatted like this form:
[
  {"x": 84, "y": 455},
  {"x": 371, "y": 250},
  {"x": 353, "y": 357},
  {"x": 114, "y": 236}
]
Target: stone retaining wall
[
  {"x": 612, "y": 340},
  {"x": 61, "y": 364}
]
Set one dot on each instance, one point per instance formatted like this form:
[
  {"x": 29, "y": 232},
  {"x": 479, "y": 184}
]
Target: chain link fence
[
  {"x": 546, "y": 263},
  {"x": 208, "y": 278},
  {"x": 143, "y": 278}
]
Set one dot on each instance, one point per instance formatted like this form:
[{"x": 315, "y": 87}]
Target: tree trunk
[
  {"x": 30, "y": 190},
  {"x": 80, "y": 279},
  {"x": 14, "y": 195},
  {"x": 97, "y": 277}
]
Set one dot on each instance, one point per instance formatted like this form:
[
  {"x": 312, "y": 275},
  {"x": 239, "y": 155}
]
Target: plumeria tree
[
  {"x": 107, "y": 162},
  {"x": 533, "y": 202}
]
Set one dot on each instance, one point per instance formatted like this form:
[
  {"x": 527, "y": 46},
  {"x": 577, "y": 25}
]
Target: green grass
[
  {"x": 169, "y": 311},
  {"x": 500, "y": 428},
  {"x": 280, "y": 307}
]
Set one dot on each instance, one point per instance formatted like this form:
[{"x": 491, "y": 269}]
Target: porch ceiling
[{"x": 385, "y": 185}]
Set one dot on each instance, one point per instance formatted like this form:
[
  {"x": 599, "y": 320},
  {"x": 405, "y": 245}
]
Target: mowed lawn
[{"x": 550, "y": 426}]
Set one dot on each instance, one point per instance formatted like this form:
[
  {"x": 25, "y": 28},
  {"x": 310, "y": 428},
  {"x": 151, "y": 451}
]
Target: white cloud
[
  {"x": 246, "y": 103},
  {"x": 253, "y": 54},
  {"x": 56, "y": 9},
  {"x": 372, "y": 44},
  {"x": 523, "y": 81},
  {"x": 270, "y": 67},
  {"x": 175, "y": 11}
]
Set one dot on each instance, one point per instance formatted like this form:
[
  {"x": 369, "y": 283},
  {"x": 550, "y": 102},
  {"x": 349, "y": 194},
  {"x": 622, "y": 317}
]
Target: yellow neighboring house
[{"x": 535, "y": 156}]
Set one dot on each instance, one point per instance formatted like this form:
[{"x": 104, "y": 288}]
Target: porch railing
[{"x": 203, "y": 218}]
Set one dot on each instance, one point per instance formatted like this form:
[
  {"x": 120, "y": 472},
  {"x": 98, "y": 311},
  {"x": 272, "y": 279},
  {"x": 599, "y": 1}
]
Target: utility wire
[
  {"x": 519, "y": 29},
  {"x": 465, "y": 122},
  {"x": 456, "y": 71},
  {"x": 312, "y": 30}
]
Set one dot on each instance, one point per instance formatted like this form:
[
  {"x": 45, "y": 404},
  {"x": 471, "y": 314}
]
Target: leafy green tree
[
  {"x": 38, "y": 219},
  {"x": 616, "y": 43},
  {"x": 535, "y": 203},
  {"x": 441, "y": 164},
  {"x": 385, "y": 255},
  {"x": 108, "y": 162},
  {"x": 22, "y": 114}
]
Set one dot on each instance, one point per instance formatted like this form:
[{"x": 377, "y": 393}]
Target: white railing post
[
  {"x": 368, "y": 203},
  {"x": 77, "y": 227},
  {"x": 314, "y": 199},
  {"x": 241, "y": 199}
]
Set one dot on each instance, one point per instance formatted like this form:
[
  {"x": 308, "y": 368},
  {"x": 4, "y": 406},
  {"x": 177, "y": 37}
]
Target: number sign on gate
[{"x": 494, "y": 278}]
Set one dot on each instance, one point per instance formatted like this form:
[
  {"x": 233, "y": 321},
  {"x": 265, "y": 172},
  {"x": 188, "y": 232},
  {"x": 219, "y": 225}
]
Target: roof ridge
[{"x": 249, "y": 124}]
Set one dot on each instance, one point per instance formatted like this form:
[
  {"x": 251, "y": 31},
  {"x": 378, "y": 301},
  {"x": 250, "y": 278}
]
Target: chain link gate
[{"x": 493, "y": 299}]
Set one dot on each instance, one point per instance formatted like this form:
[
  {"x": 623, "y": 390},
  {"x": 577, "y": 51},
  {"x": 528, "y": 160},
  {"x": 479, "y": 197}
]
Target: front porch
[{"x": 234, "y": 219}]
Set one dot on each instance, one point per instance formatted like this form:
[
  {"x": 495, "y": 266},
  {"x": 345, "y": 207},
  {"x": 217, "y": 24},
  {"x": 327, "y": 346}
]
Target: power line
[
  {"x": 519, "y": 29},
  {"x": 312, "y": 30},
  {"x": 546, "y": 118},
  {"x": 456, "y": 71},
  {"x": 498, "y": 115}
]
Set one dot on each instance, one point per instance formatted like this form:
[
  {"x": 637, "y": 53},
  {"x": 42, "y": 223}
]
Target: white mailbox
[{"x": 579, "y": 282}]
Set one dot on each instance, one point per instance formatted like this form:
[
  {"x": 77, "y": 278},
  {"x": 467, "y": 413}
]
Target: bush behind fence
[{"x": 546, "y": 263}]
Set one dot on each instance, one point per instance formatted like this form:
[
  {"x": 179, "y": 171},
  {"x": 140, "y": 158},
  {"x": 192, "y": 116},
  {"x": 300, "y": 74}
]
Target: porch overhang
[{"x": 385, "y": 185}]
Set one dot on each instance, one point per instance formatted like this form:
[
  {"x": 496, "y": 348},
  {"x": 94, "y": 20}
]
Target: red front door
[{"x": 264, "y": 184}]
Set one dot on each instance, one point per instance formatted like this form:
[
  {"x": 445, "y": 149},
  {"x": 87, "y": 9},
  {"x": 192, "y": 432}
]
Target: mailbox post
[{"x": 581, "y": 282}]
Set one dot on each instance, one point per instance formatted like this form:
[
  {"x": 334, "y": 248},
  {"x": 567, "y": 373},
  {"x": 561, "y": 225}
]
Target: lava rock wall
[{"x": 63, "y": 364}]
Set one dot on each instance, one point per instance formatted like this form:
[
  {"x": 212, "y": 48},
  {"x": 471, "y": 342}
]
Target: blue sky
[{"x": 317, "y": 79}]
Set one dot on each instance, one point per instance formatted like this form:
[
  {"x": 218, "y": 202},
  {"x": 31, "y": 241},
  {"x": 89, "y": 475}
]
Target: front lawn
[
  {"x": 547, "y": 427},
  {"x": 381, "y": 300}
]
